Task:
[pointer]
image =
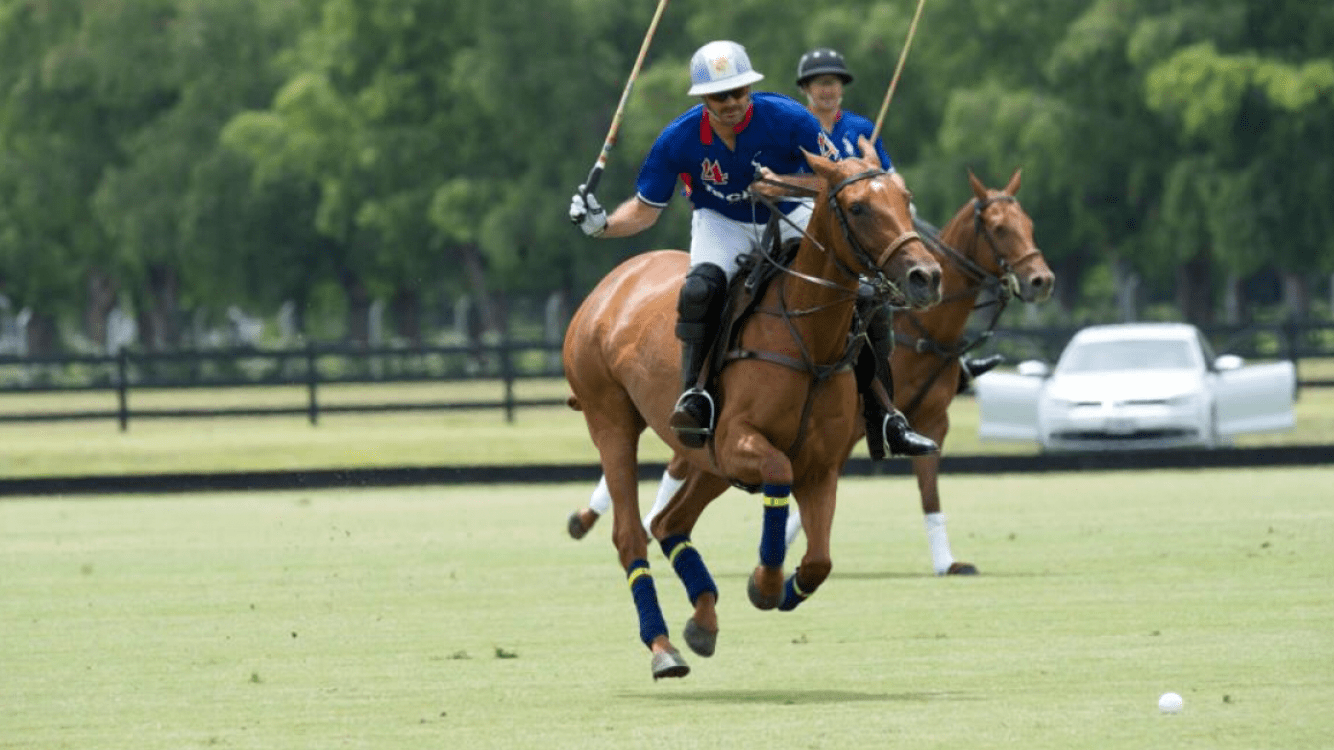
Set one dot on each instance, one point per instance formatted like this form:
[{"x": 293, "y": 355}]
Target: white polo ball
[{"x": 1170, "y": 703}]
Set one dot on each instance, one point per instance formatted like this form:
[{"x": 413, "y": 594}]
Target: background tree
[{"x": 184, "y": 156}]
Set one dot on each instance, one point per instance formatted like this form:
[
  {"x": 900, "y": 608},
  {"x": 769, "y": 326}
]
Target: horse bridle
[
  {"x": 1008, "y": 278},
  {"x": 1007, "y": 285},
  {"x": 878, "y": 279},
  {"x": 863, "y": 256}
]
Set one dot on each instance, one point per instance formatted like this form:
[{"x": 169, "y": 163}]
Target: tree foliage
[{"x": 201, "y": 153}]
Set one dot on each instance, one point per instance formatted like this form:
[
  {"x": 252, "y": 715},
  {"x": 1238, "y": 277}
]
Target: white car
[{"x": 1136, "y": 385}]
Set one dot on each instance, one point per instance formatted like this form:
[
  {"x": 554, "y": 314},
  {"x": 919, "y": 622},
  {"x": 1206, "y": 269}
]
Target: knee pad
[{"x": 701, "y": 299}]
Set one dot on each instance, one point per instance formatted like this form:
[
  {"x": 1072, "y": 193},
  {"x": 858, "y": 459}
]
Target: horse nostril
[{"x": 919, "y": 278}]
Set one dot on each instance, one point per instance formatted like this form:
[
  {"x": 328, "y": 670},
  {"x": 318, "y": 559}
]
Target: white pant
[{"x": 716, "y": 239}]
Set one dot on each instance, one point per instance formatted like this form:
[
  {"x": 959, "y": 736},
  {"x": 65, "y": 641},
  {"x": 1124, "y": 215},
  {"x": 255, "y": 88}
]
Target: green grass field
[
  {"x": 464, "y": 617},
  {"x": 537, "y": 435}
]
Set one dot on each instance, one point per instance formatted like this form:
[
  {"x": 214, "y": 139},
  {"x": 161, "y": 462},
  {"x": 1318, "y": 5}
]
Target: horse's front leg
[
  {"x": 673, "y": 525},
  {"x": 927, "y": 471},
  {"x": 754, "y": 456},
  {"x": 816, "y": 502}
]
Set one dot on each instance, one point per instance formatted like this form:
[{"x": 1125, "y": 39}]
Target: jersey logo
[
  {"x": 710, "y": 171},
  {"x": 827, "y": 148}
]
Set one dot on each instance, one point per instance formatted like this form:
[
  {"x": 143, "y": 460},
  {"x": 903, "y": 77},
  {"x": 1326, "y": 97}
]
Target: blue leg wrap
[
  {"x": 773, "y": 539},
  {"x": 651, "y": 622},
  {"x": 689, "y": 566},
  {"x": 792, "y": 594}
]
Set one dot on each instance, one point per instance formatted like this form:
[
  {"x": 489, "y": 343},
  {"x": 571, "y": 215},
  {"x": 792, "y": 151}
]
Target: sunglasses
[{"x": 723, "y": 96}]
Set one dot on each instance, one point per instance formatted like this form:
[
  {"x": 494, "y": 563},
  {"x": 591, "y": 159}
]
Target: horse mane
[{"x": 958, "y": 228}]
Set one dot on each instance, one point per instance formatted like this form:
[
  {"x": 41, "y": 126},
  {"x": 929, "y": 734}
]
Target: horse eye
[{"x": 857, "y": 209}]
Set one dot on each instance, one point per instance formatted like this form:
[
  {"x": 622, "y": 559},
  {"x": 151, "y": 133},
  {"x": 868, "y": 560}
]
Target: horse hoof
[
  {"x": 575, "y": 526},
  {"x": 760, "y": 600},
  {"x": 701, "y": 641},
  {"x": 669, "y": 664},
  {"x": 961, "y": 569}
]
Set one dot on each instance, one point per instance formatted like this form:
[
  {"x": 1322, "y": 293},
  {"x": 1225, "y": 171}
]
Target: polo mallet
[
  {"x": 595, "y": 174},
  {"x": 898, "y": 70}
]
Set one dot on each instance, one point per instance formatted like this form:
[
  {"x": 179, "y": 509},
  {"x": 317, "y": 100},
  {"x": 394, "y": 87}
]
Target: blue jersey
[
  {"x": 773, "y": 134},
  {"x": 849, "y": 125}
]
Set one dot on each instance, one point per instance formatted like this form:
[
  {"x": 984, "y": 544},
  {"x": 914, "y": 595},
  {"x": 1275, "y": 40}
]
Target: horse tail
[{"x": 573, "y": 403}]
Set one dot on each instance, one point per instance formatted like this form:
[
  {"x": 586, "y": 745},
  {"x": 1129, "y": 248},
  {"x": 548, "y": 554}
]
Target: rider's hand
[
  {"x": 587, "y": 214},
  {"x": 761, "y": 186}
]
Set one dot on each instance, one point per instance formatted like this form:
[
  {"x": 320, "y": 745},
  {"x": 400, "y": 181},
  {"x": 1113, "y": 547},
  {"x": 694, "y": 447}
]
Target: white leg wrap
[
  {"x": 600, "y": 503},
  {"x": 793, "y": 523},
  {"x": 941, "y": 557},
  {"x": 666, "y": 490}
]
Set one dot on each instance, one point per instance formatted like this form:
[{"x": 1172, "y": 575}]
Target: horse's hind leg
[
  {"x": 673, "y": 526},
  {"x": 617, "y": 440},
  {"x": 581, "y": 521}
]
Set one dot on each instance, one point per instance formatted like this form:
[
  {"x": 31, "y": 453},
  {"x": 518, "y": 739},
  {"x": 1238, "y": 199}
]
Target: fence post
[
  {"x": 1290, "y": 336},
  {"x": 507, "y": 373},
  {"x": 312, "y": 379},
  {"x": 122, "y": 387}
]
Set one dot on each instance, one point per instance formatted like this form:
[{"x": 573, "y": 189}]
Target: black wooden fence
[{"x": 314, "y": 367}]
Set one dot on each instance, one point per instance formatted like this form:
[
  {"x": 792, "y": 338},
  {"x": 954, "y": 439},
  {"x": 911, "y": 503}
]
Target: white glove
[{"x": 587, "y": 214}]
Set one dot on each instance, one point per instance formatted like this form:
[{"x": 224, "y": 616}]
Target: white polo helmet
[{"x": 720, "y": 66}]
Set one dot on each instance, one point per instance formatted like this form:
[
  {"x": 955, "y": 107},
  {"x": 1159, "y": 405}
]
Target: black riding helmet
[{"x": 820, "y": 61}]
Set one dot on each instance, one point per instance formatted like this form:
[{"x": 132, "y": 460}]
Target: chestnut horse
[
  {"x": 987, "y": 246},
  {"x": 787, "y": 401}
]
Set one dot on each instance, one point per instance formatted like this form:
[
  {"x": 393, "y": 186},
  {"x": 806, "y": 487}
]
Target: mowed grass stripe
[{"x": 463, "y": 617}]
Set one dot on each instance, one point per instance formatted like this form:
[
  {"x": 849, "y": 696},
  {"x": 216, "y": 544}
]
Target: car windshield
[{"x": 1149, "y": 354}]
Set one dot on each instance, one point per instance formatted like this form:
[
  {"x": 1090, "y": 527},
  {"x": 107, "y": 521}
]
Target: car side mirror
[
  {"x": 1034, "y": 368},
  {"x": 1228, "y": 362}
]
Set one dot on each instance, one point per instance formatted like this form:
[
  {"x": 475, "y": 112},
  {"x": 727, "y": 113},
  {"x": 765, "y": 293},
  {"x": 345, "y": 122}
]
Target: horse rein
[
  {"x": 873, "y": 264},
  {"x": 1006, "y": 283},
  {"x": 819, "y": 373}
]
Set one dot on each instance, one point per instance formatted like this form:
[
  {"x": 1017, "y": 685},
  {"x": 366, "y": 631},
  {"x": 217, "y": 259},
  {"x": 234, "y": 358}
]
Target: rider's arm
[
  {"x": 630, "y": 218},
  {"x": 805, "y": 182}
]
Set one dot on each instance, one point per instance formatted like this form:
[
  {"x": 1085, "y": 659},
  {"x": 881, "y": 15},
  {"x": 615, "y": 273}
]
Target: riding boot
[
  {"x": 970, "y": 369},
  {"x": 887, "y": 429},
  {"x": 698, "y": 310},
  {"x": 902, "y": 440}
]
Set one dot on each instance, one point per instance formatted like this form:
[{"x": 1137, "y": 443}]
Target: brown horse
[
  {"x": 787, "y": 400},
  {"x": 987, "y": 246}
]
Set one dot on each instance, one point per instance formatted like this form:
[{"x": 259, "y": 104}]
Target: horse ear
[
  {"x": 979, "y": 190},
  {"x": 818, "y": 164},
  {"x": 1013, "y": 186},
  {"x": 868, "y": 152}
]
